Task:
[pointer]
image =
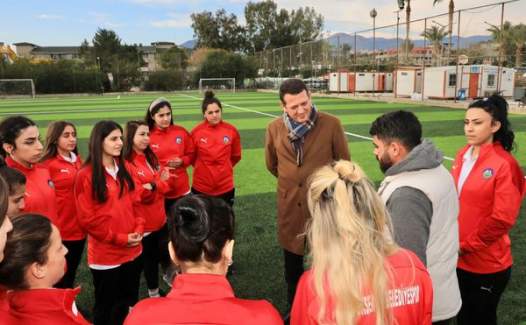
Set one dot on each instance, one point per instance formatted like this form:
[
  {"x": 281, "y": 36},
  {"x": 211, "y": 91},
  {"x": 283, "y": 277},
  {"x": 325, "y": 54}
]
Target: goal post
[
  {"x": 217, "y": 84},
  {"x": 17, "y": 87}
]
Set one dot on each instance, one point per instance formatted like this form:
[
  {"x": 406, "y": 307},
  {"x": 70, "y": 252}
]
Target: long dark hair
[
  {"x": 12, "y": 176},
  {"x": 10, "y": 129},
  {"x": 26, "y": 244},
  {"x": 154, "y": 107},
  {"x": 4, "y": 199},
  {"x": 54, "y": 131},
  {"x": 497, "y": 107},
  {"x": 200, "y": 227},
  {"x": 210, "y": 98},
  {"x": 129, "y": 134},
  {"x": 99, "y": 191}
]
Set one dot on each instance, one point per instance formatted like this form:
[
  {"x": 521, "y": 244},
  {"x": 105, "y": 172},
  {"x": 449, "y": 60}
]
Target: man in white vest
[{"x": 421, "y": 198}]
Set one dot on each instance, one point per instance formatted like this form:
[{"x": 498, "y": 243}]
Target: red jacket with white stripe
[
  {"x": 44, "y": 307},
  {"x": 108, "y": 223},
  {"x": 489, "y": 206},
  {"x": 410, "y": 295},
  {"x": 218, "y": 150},
  {"x": 63, "y": 174},
  {"x": 40, "y": 192},
  {"x": 167, "y": 144},
  {"x": 202, "y": 299},
  {"x": 151, "y": 207}
]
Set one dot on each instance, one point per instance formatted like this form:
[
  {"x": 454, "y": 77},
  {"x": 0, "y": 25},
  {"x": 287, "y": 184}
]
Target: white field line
[{"x": 272, "y": 115}]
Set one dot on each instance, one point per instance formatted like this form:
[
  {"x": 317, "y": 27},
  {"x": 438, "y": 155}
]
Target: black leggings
[
  {"x": 116, "y": 290},
  {"x": 480, "y": 296},
  {"x": 75, "y": 250},
  {"x": 228, "y": 197},
  {"x": 154, "y": 250}
]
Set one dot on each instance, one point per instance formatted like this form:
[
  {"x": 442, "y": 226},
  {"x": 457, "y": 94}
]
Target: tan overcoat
[{"x": 323, "y": 144}]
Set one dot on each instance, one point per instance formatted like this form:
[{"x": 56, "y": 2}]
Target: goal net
[
  {"x": 17, "y": 88},
  {"x": 217, "y": 84}
]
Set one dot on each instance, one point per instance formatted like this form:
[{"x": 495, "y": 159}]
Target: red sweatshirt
[
  {"x": 109, "y": 223},
  {"x": 63, "y": 175},
  {"x": 171, "y": 143},
  {"x": 151, "y": 207},
  {"x": 410, "y": 295},
  {"x": 45, "y": 307},
  {"x": 40, "y": 192},
  {"x": 5, "y": 317},
  {"x": 489, "y": 205},
  {"x": 202, "y": 299},
  {"x": 218, "y": 150},
  {"x": 517, "y": 176}
]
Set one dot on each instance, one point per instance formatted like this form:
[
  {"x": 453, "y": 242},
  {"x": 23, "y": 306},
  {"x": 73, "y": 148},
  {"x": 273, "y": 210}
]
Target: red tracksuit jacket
[
  {"x": 44, "y": 307},
  {"x": 410, "y": 295},
  {"x": 218, "y": 150},
  {"x": 63, "y": 174},
  {"x": 517, "y": 176},
  {"x": 109, "y": 223},
  {"x": 40, "y": 192},
  {"x": 151, "y": 208},
  {"x": 168, "y": 144},
  {"x": 202, "y": 299},
  {"x": 489, "y": 205}
]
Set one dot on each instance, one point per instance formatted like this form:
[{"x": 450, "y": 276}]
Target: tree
[
  {"x": 266, "y": 27},
  {"x": 502, "y": 36},
  {"x": 407, "y": 22},
  {"x": 220, "y": 31},
  {"x": 223, "y": 64},
  {"x": 451, "y": 11},
  {"x": 174, "y": 58},
  {"x": 435, "y": 35},
  {"x": 518, "y": 37}
]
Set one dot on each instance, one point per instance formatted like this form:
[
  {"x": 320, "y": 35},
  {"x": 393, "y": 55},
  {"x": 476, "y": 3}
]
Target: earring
[{"x": 230, "y": 262}]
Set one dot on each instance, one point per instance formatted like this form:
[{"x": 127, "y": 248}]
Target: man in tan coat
[{"x": 296, "y": 144}]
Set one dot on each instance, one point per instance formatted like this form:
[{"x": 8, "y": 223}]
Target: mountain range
[{"x": 366, "y": 43}]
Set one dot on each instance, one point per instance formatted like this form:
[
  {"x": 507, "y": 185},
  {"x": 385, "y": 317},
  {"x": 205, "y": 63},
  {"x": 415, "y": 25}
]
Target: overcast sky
[{"x": 68, "y": 22}]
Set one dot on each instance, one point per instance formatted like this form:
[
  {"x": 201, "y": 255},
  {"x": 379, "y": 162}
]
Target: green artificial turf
[{"x": 257, "y": 256}]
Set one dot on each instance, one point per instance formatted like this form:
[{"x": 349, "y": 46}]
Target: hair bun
[
  {"x": 192, "y": 224},
  {"x": 209, "y": 94},
  {"x": 348, "y": 171}
]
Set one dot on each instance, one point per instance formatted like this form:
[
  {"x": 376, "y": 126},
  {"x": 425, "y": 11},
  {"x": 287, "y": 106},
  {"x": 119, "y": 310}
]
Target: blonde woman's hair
[{"x": 348, "y": 239}]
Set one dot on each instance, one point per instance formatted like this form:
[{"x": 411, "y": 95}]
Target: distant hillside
[
  {"x": 189, "y": 44},
  {"x": 366, "y": 43}
]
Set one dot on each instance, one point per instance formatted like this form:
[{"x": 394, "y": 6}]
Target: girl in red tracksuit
[
  {"x": 21, "y": 147},
  {"x": 34, "y": 263},
  {"x": 172, "y": 145},
  {"x": 106, "y": 199},
  {"x": 489, "y": 184},
  {"x": 144, "y": 168},
  {"x": 358, "y": 275},
  {"x": 202, "y": 240},
  {"x": 63, "y": 162},
  {"x": 5, "y": 228},
  {"x": 217, "y": 151}
]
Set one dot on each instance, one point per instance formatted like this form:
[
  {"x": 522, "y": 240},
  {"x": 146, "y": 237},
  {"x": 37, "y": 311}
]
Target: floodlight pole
[{"x": 373, "y": 15}]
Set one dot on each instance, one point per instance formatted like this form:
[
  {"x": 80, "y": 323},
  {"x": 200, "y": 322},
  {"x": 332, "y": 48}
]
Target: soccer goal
[
  {"x": 217, "y": 84},
  {"x": 17, "y": 87}
]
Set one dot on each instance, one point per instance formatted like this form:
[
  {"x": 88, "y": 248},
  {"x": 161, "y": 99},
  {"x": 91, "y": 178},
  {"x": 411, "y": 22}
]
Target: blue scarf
[{"x": 298, "y": 131}]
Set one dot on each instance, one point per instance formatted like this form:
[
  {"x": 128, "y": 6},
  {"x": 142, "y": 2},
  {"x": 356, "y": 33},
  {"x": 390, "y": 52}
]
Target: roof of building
[
  {"x": 25, "y": 44},
  {"x": 56, "y": 50},
  {"x": 163, "y": 43}
]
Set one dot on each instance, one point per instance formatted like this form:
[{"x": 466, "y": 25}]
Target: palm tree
[
  {"x": 450, "y": 22},
  {"x": 502, "y": 36},
  {"x": 407, "y": 21},
  {"x": 518, "y": 37},
  {"x": 435, "y": 35}
]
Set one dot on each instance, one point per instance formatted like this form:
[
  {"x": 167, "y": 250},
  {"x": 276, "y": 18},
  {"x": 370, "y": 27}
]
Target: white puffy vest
[{"x": 443, "y": 244}]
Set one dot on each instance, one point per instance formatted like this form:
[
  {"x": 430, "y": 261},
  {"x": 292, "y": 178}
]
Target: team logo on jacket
[
  {"x": 487, "y": 173},
  {"x": 50, "y": 183},
  {"x": 64, "y": 170},
  {"x": 140, "y": 173},
  {"x": 178, "y": 140},
  {"x": 203, "y": 140},
  {"x": 226, "y": 139}
]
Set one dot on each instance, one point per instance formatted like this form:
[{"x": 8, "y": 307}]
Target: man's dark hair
[
  {"x": 291, "y": 87},
  {"x": 402, "y": 126}
]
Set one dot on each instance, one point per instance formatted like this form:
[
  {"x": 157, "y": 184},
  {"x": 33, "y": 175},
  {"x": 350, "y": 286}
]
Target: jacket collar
[
  {"x": 15, "y": 164},
  {"x": 42, "y": 300},
  {"x": 198, "y": 286}
]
